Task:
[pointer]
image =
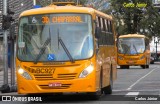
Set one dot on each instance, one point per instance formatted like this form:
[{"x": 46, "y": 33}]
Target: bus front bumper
[
  {"x": 132, "y": 62},
  {"x": 55, "y": 86}
]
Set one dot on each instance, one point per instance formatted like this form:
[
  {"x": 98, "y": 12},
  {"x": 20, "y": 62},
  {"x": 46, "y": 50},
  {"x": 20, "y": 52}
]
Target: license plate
[
  {"x": 54, "y": 84},
  {"x": 131, "y": 62}
]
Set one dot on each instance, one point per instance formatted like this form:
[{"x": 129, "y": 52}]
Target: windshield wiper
[
  {"x": 42, "y": 50},
  {"x": 127, "y": 50},
  {"x": 65, "y": 48},
  {"x": 135, "y": 49}
]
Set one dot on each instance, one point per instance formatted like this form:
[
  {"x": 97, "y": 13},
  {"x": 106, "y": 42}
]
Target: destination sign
[{"x": 62, "y": 19}]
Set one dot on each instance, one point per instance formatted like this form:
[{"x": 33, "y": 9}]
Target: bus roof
[
  {"x": 63, "y": 9},
  {"x": 132, "y": 35}
]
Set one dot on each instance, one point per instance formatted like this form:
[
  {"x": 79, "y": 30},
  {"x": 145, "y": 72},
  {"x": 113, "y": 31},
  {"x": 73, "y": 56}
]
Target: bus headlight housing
[
  {"x": 25, "y": 74},
  {"x": 86, "y": 71}
]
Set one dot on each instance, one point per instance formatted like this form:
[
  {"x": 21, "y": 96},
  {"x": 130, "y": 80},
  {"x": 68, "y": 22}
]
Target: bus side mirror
[{"x": 97, "y": 32}]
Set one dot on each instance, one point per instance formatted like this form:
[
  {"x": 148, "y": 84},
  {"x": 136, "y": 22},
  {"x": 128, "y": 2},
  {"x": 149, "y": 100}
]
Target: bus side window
[
  {"x": 106, "y": 26},
  {"x": 104, "y": 32},
  {"x": 111, "y": 26},
  {"x": 97, "y": 21},
  {"x": 96, "y": 32},
  {"x": 112, "y": 34},
  {"x": 101, "y": 35},
  {"x": 98, "y": 27}
]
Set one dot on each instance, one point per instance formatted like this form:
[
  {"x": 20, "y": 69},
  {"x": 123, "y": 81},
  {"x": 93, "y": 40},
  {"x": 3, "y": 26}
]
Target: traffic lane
[
  {"x": 126, "y": 78},
  {"x": 151, "y": 82}
]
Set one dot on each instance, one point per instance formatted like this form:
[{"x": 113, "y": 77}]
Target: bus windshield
[
  {"x": 73, "y": 30},
  {"x": 131, "y": 45}
]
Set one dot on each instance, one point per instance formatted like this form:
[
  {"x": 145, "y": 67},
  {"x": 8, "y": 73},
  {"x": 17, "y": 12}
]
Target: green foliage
[
  {"x": 82, "y": 2},
  {"x": 132, "y": 19}
]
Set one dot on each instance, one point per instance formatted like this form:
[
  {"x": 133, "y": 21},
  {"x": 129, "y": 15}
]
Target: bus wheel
[
  {"x": 108, "y": 89},
  {"x": 147, "y": 66},
  {"x": 127, "y": 66},
  {"x": 123, "y": 67},
  {"x": 143, "y": 66}
]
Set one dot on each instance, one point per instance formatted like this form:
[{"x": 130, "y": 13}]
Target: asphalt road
[{"x": 133, "y": 86}]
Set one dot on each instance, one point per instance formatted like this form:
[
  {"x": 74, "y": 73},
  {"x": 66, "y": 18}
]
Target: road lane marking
[
  {"x": 132, "y": 93},
  {"x": 146, "y": 90},
  {"x": 130, "y": 87}
]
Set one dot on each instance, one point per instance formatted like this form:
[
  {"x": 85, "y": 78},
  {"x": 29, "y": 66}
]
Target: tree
[{"x": 135, "y": 16}]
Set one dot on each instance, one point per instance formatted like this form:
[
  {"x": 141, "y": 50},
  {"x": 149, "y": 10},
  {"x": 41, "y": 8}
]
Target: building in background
[
  {"x": 17, "y": 6},
  {"x": 156, "y": 1}
]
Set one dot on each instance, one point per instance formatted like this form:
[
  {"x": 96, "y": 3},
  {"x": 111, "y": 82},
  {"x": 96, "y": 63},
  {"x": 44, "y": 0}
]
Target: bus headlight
[
  {"x": 25, "y": 74},
  {"x": 142, "y": 57},
  {"x": 86, "y": 71},
  {"x": 120, "y": 57}
]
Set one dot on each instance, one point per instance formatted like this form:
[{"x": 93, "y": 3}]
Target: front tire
[
  {"x": 143, "y": 66},
  {"x": 147, "y": 66}
]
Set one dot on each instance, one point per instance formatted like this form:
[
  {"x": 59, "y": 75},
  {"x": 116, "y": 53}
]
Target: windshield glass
[
  {"x": 131, "y": 45},
  {"x": 74, "y": 30}
]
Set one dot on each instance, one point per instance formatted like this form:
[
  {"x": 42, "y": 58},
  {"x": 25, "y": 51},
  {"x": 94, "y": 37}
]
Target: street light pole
[
  {"x": 156, "y": 41},
  {"x": 77, "y": 2},
  {"x": 5, "y": 87},
  {"x": 34, "y": 2}
]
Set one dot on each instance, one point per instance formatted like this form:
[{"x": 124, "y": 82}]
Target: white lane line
[
  {"x": 124, "y": 90},
  {"x": 132, "y": 93},
  {"x": 130, "y": 87}
]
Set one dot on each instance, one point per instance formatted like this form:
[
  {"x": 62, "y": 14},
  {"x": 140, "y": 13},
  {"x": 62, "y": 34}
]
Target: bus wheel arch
[
  {"x": 108, "y": 89},
  {"x": 96, "y": 95}
]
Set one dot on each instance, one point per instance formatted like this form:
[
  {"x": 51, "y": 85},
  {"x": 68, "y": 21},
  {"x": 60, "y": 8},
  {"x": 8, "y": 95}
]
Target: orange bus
[
  {"x": 133, "y": 50},
  {"x": 65, "y": 49}
]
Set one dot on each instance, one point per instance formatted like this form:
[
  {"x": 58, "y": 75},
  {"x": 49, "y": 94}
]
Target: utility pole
[
  {"x": 5, "y": 87},
  {"x": 77, "y": 2},
  {"x": 6, "y": 26},
  {"x": 34, "y": 2},
  {"x": 156, "y": 41}
]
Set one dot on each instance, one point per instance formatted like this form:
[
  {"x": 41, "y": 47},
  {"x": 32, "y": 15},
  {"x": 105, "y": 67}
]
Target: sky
[{"x": 99, "y": 4}]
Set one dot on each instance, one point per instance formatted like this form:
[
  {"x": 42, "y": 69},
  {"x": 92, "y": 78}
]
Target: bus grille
[
  {"x": 63, "y": 86},
  {"x": 42, "y": 77},
  {"x": 132, "y": 58}
]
